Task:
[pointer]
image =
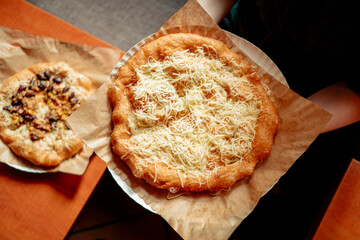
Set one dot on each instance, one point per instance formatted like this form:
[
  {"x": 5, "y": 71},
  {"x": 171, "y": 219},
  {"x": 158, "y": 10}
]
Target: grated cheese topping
[{"x": 192, "y": 112}]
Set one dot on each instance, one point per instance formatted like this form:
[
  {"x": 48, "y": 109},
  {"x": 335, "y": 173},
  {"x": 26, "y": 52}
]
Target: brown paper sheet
[
  {"x": 203, "y": 215},
  {"x": 19, "y": 50}
]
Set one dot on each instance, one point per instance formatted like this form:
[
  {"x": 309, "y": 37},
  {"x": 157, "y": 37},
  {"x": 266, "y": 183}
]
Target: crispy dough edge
[
  {"x": 37, "y": 156},
  {"x": 168, "y": 178}
]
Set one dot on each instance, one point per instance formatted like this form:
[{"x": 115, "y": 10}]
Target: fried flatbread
[
  {"x": 34, "y": 104},
  {"x": 190, "y": 115}
]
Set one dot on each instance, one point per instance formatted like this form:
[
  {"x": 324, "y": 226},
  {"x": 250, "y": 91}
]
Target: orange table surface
[
  {"x": 43, "y": 206},
  {"x": 342, "y": 218}
]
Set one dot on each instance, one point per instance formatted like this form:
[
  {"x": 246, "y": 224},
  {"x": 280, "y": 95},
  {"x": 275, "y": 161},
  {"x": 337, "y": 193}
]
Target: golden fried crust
[
  {"x": 167, "y": 178},
  {"x": 62, "y": 147}
]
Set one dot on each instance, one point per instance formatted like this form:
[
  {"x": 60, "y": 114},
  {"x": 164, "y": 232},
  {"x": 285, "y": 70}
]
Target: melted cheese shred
[{"x": 192, "y": 113}]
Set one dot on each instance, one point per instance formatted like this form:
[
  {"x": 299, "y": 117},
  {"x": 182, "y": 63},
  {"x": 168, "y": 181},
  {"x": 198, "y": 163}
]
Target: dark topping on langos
[{"x": 61, "y": 104}]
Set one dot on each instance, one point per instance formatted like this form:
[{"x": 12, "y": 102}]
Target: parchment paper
[
  {"x": 19, "y": 50},
  {"x": 203, "y": 215}
]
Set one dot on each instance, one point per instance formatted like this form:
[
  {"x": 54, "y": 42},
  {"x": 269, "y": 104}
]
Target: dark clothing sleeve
[{"x": 314, "y": 43}]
